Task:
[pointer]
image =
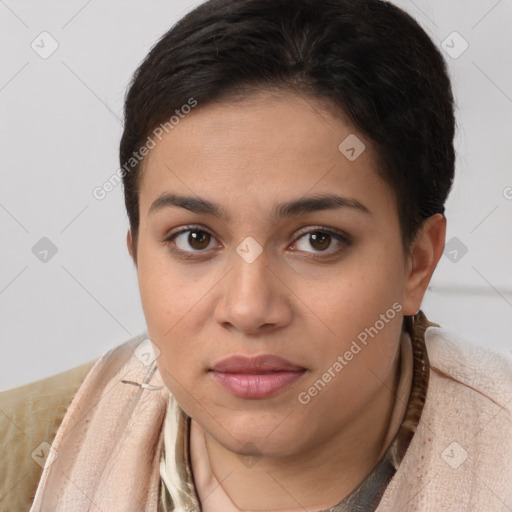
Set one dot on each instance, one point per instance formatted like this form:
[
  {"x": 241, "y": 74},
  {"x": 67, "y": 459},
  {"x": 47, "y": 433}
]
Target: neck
[{"x": 304, "y": 481}]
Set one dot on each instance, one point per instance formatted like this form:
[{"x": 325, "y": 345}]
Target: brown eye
[
  {"x": 199, "y": 239},
  {"x": 191, "y": 240},
  {"x": 319, "y": 241}
]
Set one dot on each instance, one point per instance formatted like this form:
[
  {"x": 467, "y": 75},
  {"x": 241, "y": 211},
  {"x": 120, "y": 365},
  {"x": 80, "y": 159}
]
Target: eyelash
[{"x": 337, "y": 235}]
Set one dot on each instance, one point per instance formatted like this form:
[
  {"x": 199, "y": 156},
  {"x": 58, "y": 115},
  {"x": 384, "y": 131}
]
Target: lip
[
  {"x": 256, "y": 377},
  {"x": 255, "y": 364}
]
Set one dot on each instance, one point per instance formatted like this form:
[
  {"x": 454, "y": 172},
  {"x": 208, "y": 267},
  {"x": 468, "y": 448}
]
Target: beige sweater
[{"x": 460, "y": 458}]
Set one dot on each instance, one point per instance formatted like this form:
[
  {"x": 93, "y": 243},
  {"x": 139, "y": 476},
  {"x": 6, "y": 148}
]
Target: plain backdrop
[{"x": 68, "y": 289}]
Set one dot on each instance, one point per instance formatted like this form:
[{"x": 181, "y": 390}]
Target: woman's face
[{"x": 260, "y": 239}]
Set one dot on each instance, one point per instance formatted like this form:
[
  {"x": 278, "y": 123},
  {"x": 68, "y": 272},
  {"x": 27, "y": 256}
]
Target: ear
[
  {"x": 131, "y": 248},
  {"x": 425, "y": 253}
]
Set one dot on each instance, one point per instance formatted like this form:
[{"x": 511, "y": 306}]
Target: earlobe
[{"x": 426, "y": 251}]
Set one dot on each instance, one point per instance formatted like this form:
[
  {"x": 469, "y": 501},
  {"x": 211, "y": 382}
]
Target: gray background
[{"x": 61, "y": 124}]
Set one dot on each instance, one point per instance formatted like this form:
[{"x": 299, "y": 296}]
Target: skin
[{"x": 300, "y": 300}]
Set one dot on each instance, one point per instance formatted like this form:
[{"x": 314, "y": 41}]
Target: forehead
[{"x": 265, "y": 145}]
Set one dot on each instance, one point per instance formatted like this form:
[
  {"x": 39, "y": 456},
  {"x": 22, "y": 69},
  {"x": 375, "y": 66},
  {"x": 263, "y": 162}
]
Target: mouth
[{"x": 256, "y": 377}]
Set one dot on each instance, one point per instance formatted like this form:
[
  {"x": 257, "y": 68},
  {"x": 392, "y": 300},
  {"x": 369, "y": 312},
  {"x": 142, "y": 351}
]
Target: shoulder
[
  {"x": 473, "y": 369},
  {"x": 29, "y": 418},
  {"x": 460, "y": 457},
  {"x": 467, "y": 424}
]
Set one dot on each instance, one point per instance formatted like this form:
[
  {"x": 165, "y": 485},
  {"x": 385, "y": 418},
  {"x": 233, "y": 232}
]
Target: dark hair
[{"x": 366, "y": 57}]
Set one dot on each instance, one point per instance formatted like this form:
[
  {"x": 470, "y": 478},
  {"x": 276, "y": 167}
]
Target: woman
[{"x": 286, "y": 166}]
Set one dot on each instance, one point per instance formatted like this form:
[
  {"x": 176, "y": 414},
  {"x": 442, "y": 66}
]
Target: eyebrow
[{"x": 279, "y": 211}]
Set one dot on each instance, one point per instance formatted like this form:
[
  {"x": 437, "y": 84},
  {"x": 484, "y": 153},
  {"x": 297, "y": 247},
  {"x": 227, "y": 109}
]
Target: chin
[{"x": 258, "y": 435}]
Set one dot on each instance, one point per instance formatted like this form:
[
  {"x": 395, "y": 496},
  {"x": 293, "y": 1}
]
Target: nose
[{"x": 254, "y": 298}]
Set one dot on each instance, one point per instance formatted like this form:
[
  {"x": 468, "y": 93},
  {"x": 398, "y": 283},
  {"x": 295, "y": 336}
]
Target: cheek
[
  {"x": 165, "y": 294},
  {"x": 362, "y": 291},
  {"x": 173, "y": 310},
  {"x": 361, "y": 314}
]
